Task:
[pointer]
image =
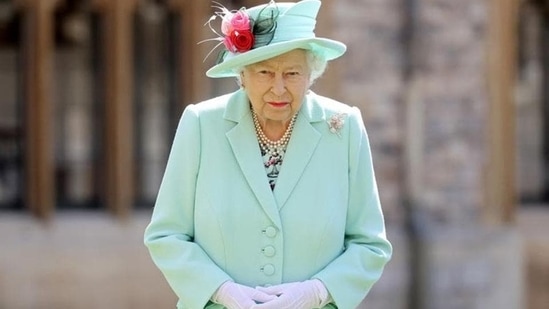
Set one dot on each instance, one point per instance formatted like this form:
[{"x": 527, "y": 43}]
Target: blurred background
[{"x": 454, "y": 95}]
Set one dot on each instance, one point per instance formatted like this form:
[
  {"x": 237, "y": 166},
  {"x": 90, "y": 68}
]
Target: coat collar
[{"x": 246, "y": 150}]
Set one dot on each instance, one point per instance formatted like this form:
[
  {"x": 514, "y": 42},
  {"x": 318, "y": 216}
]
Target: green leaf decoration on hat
[{"x": 265, "y": 26}]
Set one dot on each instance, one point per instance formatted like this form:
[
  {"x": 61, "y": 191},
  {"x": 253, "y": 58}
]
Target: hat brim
[{"x": 328, "y": 49}]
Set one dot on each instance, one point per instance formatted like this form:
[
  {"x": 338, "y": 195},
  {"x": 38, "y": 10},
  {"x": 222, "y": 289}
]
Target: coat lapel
[
  {"x": 246, "y": 150},
  {"x": 301, "y": 148}
]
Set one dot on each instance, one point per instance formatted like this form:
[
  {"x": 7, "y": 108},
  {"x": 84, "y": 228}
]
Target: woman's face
[{"x": 276, "y": 87}]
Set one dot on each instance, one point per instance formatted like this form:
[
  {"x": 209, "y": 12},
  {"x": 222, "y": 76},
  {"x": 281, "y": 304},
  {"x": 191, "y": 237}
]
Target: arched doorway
[
  {"x": 532, "y": 146},
  {"x": 532, "y": 108}
]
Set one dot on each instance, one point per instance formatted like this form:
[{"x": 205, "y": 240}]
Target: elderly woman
[{"x": 269, "y": 198}]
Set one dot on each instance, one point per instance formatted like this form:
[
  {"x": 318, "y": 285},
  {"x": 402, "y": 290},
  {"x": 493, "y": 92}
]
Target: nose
[{"x": 279, "y": 86}]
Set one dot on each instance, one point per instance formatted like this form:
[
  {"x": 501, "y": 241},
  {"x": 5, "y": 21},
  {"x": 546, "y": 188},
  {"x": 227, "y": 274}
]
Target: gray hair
[{"x": 317, "y": 64}]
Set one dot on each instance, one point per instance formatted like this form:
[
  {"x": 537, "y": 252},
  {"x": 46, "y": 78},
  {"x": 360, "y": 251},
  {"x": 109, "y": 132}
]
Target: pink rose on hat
[
  {"x": 237, "y": 30},
  {"x": 235, "y": 21}
]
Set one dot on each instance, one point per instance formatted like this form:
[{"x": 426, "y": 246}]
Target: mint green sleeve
[
  {"x": 350, "y": 276},
  {"x": 191, "y": 274}
]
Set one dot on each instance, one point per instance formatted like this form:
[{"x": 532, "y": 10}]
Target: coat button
[
  {"x": 269, "y": 251},
  {"x": 268, "y": 269},
  {"x": 270, "y": 231}
]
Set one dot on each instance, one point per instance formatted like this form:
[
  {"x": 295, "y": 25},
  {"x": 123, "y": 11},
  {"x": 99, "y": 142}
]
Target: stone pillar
[
  {"x": 119, "y": 169},
  {"x": 37, "y": 84},
  {"x": 193, "y": 86},
  {"x": 502, "y": 57}
]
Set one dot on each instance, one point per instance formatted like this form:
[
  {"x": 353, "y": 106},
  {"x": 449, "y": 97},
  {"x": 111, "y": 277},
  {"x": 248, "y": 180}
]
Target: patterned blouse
[{"x": 272, "y": 165}]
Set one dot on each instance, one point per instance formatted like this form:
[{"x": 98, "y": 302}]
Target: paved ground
[{"x": 78, "y": 261}]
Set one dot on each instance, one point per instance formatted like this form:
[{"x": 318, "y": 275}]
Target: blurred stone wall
[
  {"x": 371, "y": 74},
  {"x": 446, "y": 95},
  {"x": 450, "y": 103}
]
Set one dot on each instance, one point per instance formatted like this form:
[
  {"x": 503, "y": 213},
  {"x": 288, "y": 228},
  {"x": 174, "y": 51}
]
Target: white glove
[
  {"x": 296, "y": 295},
  {"x": 236, "y": 296}
]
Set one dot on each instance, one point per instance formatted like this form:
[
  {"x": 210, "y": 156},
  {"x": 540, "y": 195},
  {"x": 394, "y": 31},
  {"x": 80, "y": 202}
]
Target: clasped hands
[{"x": 295, "y": 295}]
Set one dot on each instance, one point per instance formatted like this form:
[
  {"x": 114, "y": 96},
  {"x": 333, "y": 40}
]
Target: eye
[
  {"x": 264, "y": 75},
  {"x": 294, "y": 76}
]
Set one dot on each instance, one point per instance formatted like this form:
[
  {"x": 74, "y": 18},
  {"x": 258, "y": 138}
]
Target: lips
[{"x": 278, "y": 104}]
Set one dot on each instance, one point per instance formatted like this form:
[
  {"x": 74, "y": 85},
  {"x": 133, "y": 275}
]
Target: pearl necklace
[{"x": 273, "y": 148}]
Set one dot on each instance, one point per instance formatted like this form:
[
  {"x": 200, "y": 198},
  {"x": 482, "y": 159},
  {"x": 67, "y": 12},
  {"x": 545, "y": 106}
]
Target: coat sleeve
[
  {"x": 192, "y": 275},
  {"x": 350, "y": 276}
]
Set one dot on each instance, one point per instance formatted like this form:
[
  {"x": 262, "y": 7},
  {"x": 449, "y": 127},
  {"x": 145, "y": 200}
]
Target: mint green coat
[{"x": 216, "y": 218}]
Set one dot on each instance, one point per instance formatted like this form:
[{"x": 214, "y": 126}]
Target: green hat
[{"x": 266, "y": 31}]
